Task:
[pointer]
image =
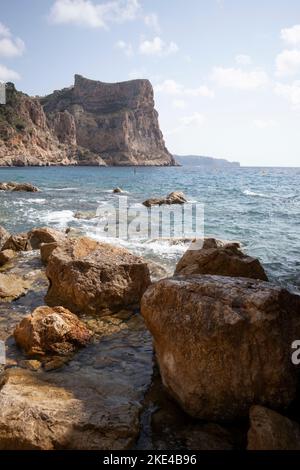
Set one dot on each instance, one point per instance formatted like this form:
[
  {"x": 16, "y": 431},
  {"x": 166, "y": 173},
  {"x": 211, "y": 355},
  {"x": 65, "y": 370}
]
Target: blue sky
[{"x": 226, "y": 73}]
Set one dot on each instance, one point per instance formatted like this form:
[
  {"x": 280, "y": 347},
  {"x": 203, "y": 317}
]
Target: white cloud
[
  {"x": 264, "y": 123},
  {"x": 151, "y": 20},
  {"x": 243, "y": 59},
  {"x": 4, "y": 31},
  {"x": 7, "y": 74},
  {"x": 288, "y": 62},
  {"x": 10, "y": 47},
  {"x": 239, "y": 79},
  {"x": 171, "y": 87},
  {"x": 291, "y": 35},
  {"x": 158, "y": 47},
  {"x": 194, "y": 121},
  {"x": 126, "y": 47},
  {"x": 178, "y": 104},
  {"x": 289, "y": 92},
  {"x": 93, "y": 15}
]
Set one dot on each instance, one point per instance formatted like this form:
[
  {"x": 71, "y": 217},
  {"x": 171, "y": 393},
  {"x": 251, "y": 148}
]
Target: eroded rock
[
  {"x": 221, "y": 258},
  {"x": 12, "y": 186},
  {"x": 4, "y": 235},
  {"x": 17, "y": 242},
  {"x": 223, "y": 344},
  {"x": 40, "y": 235},
  {"x": 51, "y": 330},
  {"x": 12, "y": 287},
  {"x": 6, "y": 256},
  {"x": 175, "y": 197}
]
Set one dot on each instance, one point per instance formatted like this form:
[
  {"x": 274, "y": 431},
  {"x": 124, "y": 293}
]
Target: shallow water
[{"x": 259, "y": 207}]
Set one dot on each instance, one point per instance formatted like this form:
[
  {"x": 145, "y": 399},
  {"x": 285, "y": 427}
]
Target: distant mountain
[{"x": 206, "y": 162}]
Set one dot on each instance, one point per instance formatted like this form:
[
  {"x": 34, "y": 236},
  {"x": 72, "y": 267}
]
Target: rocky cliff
[{"x": 89, "y": 123}]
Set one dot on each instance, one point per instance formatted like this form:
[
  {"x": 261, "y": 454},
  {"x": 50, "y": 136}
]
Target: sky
[{"x": 225, "y": 73}]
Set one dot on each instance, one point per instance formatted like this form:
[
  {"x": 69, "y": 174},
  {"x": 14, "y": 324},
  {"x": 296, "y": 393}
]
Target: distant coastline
[{"x": 203, "y": 161}]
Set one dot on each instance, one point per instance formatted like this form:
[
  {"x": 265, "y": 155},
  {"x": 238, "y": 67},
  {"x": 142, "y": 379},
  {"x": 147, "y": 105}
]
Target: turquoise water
[{"x": 259, "y": 207}]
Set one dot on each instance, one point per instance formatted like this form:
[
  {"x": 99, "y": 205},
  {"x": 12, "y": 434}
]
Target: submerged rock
[
  {"x": 223, "y": 344},
  {"x": 51, "y": 330},
  {"x": 12, "y": 287},
  {"x": 175, "y": 197},
  {"x": 93, "y": 403},
  {"x": 87, "y": 276},
  {"x": 12, "y": 186},
  {"x": 221, "y": 258},
  {"x": 271, "y": 431}
]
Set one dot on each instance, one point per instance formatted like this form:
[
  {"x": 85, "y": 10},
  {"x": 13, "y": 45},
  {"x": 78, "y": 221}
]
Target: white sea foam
[
  {"x": 58, "y": 218},
  {"x": 248, "y": 192}
]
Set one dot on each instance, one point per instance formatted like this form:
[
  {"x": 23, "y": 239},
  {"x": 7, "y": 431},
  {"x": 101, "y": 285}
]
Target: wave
[{"x": 248, "y": 192}]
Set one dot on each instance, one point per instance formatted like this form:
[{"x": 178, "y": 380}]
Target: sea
[{"x": 259, "y": 207}]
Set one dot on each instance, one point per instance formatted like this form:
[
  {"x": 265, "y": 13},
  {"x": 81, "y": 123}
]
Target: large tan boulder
[
  {"x": 223, "y": 344},
  {"x": 12, "y": 287},
  {"x": 87, "y": 276},
  {"x": 51, "y": 330},
  {"x": 271, "y": 431},
  {"x": 219, "y": 257}
]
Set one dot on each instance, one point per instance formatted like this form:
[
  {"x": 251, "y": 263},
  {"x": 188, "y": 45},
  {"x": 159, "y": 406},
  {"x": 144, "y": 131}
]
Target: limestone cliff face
[
  {"x": 26, "y": 137},
  {"x": 116, "y": 122},
  {"x": 90, "y": 123}
]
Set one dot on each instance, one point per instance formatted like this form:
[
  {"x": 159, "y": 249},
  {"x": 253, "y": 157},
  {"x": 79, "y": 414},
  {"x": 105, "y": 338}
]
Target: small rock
[
  {"x": 221, "y": 258},
  {"x": 175, "y": 197},
  {"x": 51, "y": 330},
  {"x": 55, "y": 362},
  {"x": 31, "y": 364},
  {"x": 17, "y": 242},
  {"x": 117, "y": 190},
  {"x": 271, "y": 431},
  {"x": 12, "y": 287},
  {"x": 6, "y": 255},
  {"x": 12, "y": 186}
]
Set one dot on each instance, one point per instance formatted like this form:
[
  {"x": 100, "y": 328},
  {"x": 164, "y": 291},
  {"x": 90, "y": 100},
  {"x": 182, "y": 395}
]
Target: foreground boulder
[
  {"x": 4, "y": 235},
  {"x": 51, "y": 330},
  {"x": 176, "y": 197},
  {"x": 12, "y": 287},
  {"x": 12, "y": 186},
  {"x": 271, "y": 431},
  {"x": 87, "y": 276},
  {"x": 219, "y": 257},
  {"x": 223, "y": 344}
]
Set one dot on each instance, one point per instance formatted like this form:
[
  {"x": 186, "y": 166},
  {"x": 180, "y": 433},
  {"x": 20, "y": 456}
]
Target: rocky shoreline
[{"x": 102, "y": 354}]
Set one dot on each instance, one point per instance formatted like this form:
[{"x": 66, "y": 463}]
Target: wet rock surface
[{"x": 13, "y": 186}]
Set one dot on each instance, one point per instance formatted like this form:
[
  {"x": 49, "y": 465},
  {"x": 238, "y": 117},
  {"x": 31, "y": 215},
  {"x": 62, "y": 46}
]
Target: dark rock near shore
[
  {"x": 6, "y": 256},
  {"x": 221, "y": 258},
  {"x": 4, "y": 235},
  {"x": 223, "y": 344}
]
